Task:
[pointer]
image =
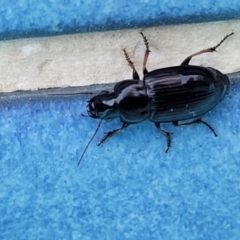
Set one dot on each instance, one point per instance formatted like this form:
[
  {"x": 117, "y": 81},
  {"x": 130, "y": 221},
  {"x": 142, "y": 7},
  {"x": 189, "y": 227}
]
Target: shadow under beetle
[{"x": 172, "y": 94}]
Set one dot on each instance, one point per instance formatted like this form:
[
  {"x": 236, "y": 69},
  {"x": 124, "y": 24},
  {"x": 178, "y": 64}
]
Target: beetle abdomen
[{"x": 184, "y": 92}]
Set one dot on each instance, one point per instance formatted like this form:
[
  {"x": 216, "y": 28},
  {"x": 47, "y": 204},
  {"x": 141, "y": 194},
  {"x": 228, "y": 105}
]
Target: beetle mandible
[{"x": 173, "y": 94}]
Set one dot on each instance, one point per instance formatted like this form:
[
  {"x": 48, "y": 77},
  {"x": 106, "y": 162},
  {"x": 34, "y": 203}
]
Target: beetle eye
[{"x": 91, "y": 106}]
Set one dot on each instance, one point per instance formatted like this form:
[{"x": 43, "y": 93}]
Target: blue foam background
[
  {"x": 128, "y": 188},
  {"x": 28, "y": 18}
]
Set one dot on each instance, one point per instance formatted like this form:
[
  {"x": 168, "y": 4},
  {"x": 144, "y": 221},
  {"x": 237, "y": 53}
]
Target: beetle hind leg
[
  {"x": 111, "y": 133},
  {"x": 147, "y": 51},
  {"x": 212, "y": 49},
  {"x": 166, "y": 134},
  {"x": 131, "y": 64},
  {"x": 194, "y": 122}
]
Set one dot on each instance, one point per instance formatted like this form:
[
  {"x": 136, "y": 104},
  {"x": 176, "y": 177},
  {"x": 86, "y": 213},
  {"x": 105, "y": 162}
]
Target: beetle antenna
[
  {"x": 83, "y": 115},
  {"x": 99, "y": 124}
]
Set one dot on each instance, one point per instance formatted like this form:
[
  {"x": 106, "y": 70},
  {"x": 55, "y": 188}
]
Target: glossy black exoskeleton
[{"x": 172, "y": 94}]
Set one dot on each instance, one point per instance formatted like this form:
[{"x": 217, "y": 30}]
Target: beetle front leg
[
  {"x": 147, "y": 51},
  {"x": 111, "y": 133},
  {"x": 212, "y": 49},
  {"x": 194, "y": 122},
  {"x": 166, "y": 134},
  {"x": 131, "y": 64}
]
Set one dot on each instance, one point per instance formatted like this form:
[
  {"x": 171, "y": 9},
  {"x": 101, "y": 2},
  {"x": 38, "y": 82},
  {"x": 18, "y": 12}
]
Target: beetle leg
[
  {"x": 131, "y": 64},
  {"x": 166, "y": 134},
  {"x": 111, "y": 133},
  {"x": 212, "y": 49},
  {"x": 194, "y": 122},
  {"x": 147, "y": 51}
]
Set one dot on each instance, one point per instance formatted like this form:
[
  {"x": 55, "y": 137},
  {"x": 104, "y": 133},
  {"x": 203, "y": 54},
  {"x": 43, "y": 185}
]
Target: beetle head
[{"x": 103, "y": 106}]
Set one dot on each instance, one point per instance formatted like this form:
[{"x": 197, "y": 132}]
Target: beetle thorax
[{"x": 132, "y": 101}]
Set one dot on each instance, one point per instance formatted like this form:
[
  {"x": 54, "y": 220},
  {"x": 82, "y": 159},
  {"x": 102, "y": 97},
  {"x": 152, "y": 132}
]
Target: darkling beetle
[{"x": 172, "y": 94}]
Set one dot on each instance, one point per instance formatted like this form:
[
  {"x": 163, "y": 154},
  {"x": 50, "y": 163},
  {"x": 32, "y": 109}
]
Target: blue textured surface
[
  {"x": 24, "y": 18},
  {"x": 128, "y": 188}
]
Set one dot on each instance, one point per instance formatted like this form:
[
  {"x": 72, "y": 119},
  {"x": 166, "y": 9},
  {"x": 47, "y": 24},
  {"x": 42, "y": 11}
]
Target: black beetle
[{"x": 172, "y": 94}]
